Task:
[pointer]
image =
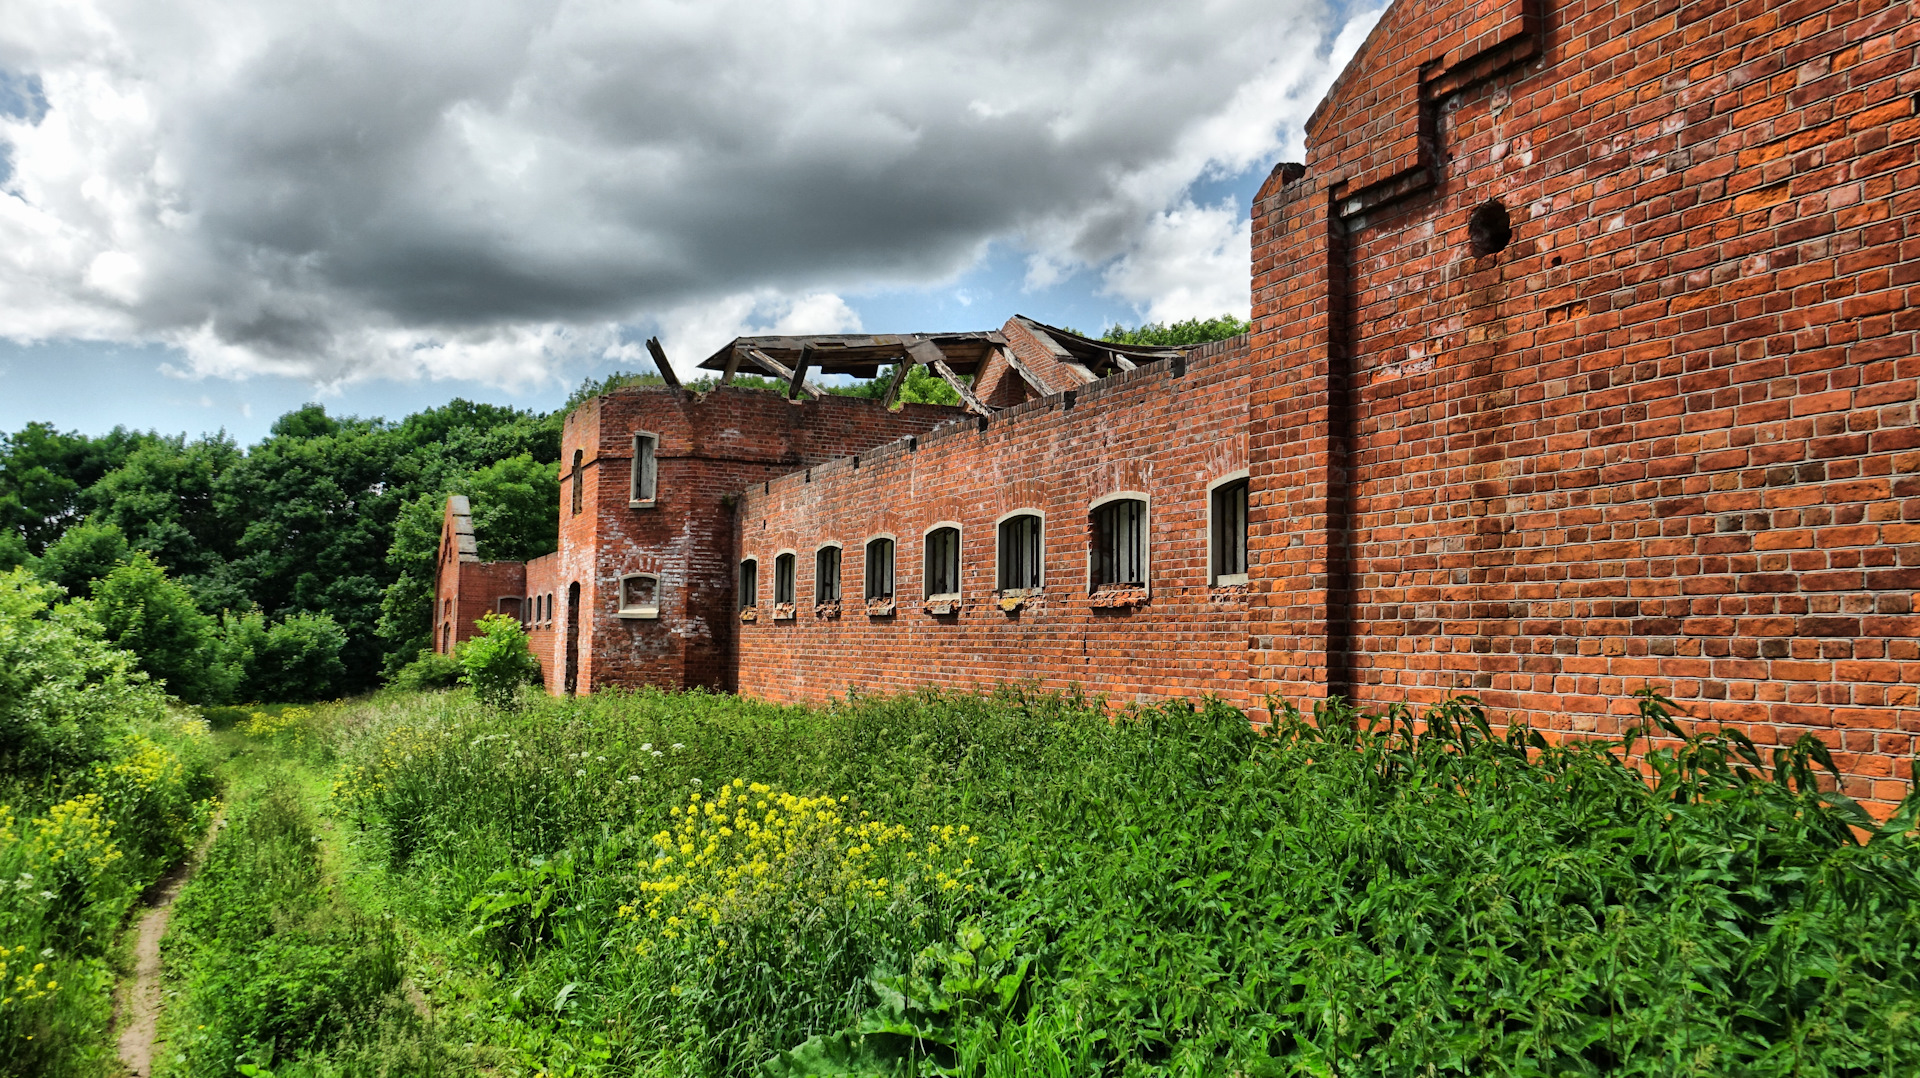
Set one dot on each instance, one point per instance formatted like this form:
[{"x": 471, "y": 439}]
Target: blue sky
[{"x": 212, "y": 212}]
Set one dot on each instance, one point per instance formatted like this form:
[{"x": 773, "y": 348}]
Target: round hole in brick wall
[{"x": 1489, "y": 229}]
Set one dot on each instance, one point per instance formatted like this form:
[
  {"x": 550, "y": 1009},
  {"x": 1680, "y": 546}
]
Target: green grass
[
  {"x": 271, "y": 969},
  {"x": 1168, "y": 892}
]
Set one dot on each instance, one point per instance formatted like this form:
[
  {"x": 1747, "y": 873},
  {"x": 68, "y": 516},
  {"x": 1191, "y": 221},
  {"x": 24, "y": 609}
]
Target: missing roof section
[{"x": 966, "y": 353}]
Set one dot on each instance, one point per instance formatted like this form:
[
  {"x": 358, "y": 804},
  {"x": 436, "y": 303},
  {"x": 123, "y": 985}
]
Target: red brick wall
[
  {"x": 711, "y": 447},
  {"x": 1151, "y": 431},
  {"x": 1667, "y": 436}
]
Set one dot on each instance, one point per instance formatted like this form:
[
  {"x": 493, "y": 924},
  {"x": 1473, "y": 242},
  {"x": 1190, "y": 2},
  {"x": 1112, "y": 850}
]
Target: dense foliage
[
  {"x": 101, "y": 788},
  {"x": 690, "y": 884},
  {"x": 301, "y": 523}
]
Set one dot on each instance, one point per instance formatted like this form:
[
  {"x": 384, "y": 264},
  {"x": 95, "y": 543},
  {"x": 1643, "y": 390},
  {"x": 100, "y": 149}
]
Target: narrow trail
[{"x": 137, "y": 1008}]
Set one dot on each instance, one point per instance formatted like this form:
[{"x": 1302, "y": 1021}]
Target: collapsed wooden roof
[{"x": 951, "y": 355}]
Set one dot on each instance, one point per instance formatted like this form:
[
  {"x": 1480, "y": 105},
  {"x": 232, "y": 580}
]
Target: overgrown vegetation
[
  {"x": 301, "y": 524},
  {"x": 273, "y": 970},
  {"x": 1022, "y": 884},
  {"x": 101, "y": 788}
]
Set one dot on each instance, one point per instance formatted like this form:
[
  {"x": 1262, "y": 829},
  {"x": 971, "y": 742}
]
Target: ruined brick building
[{"x": 1583, "y": 359}]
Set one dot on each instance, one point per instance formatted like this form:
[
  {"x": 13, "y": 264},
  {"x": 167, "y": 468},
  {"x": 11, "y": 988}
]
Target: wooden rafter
[
  {"x": 779, "y": 370},
  {"x": 660, "y": 362},
  {"x": 733, "y": 365},
  {"x": 899, "y": 379},
  {"x": 929, "y": 353},
  {"x": 1028, "y": 376}
]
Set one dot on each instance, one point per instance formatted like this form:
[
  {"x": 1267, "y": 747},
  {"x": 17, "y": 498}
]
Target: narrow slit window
[
  {"x": 943, "y": 562},
  {"x": 783, "y": 579},
  {"x": 579, "y": 473},
  {"x": 826, "y": 575},
  {"x": 1120, "y": 542},
  {"x": 749, "y": 584},
  {"x": 645, "y": 467},
  {"x": 880, "y": 569},
  {"x": 1230, "y": 533},
  {"x": 639, "y": 596},
  {"x": 1020, "y": 552}
]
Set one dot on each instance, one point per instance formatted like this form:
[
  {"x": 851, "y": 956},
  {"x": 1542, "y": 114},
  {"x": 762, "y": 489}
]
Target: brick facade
[{"x": 1582, "y": 359}]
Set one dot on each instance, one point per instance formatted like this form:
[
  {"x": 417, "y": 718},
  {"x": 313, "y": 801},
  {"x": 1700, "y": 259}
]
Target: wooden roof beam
[
  {"x": 660, "y": 362},
  {"x": 1026, "y": 375},
  {"x": 779, "y": 370},
  {"x": 929, "y": 353}
]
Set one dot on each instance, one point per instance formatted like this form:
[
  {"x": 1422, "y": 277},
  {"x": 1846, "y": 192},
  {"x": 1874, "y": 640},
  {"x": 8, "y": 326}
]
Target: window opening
[
  {"x": 640, "y": 596},
  {"x": 943, "y": 562},
  {"x": 510, "y": 606},
  {"x": 880, "y": 569},
  {"x": 1120, "y": 542},
  {"x": 1230, "y": 533},
  {"x": 579, "y": 458},
  {"x": 645, "y": 469},
  {"x": 783, "y": 579},
  {"x": 749, "y": 584},
  {"x": 1020, "y": 552},
  {"x": 826, "y": 575}
]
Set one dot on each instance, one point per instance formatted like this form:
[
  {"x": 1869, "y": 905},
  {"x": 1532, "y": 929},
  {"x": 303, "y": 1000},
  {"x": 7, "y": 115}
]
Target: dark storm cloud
[{"x": 341, "y": 188}]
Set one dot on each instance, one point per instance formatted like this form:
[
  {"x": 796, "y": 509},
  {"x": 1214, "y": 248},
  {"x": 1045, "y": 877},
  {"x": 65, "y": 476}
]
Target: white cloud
[{"x": 340, "y": 189}]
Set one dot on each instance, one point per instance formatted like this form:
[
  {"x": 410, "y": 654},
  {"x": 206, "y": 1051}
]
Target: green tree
[
  {"x": 45, "y": 475},
  {"x": 166, "y": 499},
  {"x": 83, "y": 555},
  {"x": 292, "y": 661},
  {"x": 144, "y": 612},
  {"x": 64, "y": 690},
  {"x": 1179, "y": 334},
  {"x": 498, "y": 661}
]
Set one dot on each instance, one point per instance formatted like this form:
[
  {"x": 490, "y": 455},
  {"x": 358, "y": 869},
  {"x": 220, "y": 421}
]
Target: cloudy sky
[{"x": 211, "y": 211}]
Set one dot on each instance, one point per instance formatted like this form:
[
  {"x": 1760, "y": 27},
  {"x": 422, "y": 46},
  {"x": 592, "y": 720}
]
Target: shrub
[
  {"x": 429, "y": 671},
  {"x": 155, "y": 618},
  {"x": 295, "y": 660},
  {"x": 85, "y": 553},
  {"x": 64, "y": 693},
  {"x": 498, "y": 661}
]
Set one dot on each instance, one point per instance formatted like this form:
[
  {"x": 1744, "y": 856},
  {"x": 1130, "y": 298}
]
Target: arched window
[
  {"x": 880, "y": 569},
  {"x": 942, "y": 574},
  {"x": 1021, "y": 552},
  {"x": 783, "y": 578},
  {"x": 749, "y": 583},
  {"x": 579, "y": 471},
  {"x": 639, "y": 595},
  {"x": 1119, "y": 555},
  {"x": 826, "y": 574},
  {"x": 1227, "y": 531}
]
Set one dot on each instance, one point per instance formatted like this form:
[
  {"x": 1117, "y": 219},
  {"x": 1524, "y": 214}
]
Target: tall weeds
[{"x": 1169, "y": 892}]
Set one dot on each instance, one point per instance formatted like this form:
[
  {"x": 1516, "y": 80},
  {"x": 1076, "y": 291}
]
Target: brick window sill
[
  {"x": 783, "y": 611},
  {"x": 943, "y": 606},
  {"x": 634, "y": 503},
  {"x": 1119, "y": 596},
  {"x": 827, "y": 610},
  {"x": 880, "y": 608},
  {"x": 749, "y": 614},
  {"x": 639, "y": 613},
  {"x": 1012, "y": 599}
]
